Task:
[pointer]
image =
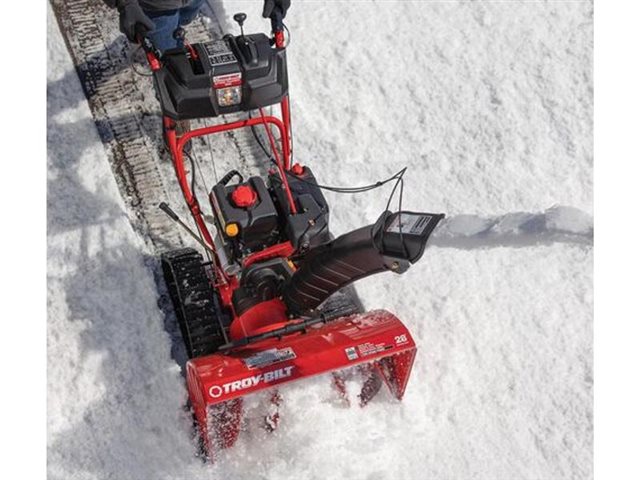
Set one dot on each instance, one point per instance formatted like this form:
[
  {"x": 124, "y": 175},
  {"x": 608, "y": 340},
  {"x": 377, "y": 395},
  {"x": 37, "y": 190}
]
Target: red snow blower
[{"x": 271, "y": 303}]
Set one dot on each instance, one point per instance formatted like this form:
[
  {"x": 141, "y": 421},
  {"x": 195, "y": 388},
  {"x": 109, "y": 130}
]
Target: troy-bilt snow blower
[{"x": 270, "y": 305}]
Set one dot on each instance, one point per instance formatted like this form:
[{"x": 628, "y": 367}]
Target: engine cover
[
  {"x": 310, "y": 226},
  {"x": 256, "y": 222}
]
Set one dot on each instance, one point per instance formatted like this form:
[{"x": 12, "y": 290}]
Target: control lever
[
  {"x": 179, "y": 34},
  {"x": 174, "y": 216},
  {"x": 240, "y": 18},
  {"x": 247, "y": 45}
]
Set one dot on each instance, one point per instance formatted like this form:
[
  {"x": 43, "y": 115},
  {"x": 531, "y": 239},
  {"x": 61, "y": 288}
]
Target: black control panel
[{"x": 228, "y": 75}]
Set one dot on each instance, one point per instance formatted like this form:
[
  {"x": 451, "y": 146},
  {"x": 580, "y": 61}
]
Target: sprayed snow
[
  {"x": 489, "y": 105},
  {"x": 556, "y": 224}
]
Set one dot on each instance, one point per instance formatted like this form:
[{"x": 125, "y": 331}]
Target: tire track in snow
[{"x": 559, "y": 224}]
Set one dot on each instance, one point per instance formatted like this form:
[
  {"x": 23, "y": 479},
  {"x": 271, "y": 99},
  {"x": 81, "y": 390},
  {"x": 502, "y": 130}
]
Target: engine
[{"x": 252, "y": 216}]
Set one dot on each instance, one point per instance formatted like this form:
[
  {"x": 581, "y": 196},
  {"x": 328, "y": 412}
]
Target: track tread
[{"x": 194, "y": 301}]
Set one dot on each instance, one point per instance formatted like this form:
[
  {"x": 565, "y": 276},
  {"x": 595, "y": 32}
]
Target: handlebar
[
  {"x": 154, "y": 54},
  {"x": 277, "y": 24}
]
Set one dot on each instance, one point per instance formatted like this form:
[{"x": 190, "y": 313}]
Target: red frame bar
[{"x": 279, "y": 163}]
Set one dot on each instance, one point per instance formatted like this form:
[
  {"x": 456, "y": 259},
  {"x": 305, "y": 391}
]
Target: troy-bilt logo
[
  {"x": 228, "y": 80},
  {"x": 267, "y": 377}
]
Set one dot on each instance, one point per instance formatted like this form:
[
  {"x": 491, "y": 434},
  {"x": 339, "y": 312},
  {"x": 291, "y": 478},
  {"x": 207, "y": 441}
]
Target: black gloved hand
[
  {"x": 133, "y": 20},
  {"x": 271, "y": 5}
]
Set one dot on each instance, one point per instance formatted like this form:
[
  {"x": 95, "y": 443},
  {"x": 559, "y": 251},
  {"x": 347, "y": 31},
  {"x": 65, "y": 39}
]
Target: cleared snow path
[{"x": 115, "y": 396}]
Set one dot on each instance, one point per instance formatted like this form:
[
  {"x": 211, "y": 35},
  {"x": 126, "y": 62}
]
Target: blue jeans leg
[
  {"x": 168, "y": 21},
  {"x": 190, "y": 12}
]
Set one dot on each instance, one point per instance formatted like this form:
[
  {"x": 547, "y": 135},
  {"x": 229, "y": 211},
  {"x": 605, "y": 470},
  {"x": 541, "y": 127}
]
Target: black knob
[
  {"x": 179, "y": 33},
  {"x": 240, "y": 18}
]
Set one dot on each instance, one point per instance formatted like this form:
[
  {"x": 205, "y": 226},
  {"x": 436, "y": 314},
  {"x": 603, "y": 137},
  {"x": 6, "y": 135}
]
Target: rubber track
[{"x": 194, "y": 301}]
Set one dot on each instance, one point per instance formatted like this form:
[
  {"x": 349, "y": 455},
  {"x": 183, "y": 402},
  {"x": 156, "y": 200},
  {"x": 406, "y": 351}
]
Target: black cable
[
  {"x": 366, "y": 188},
  {"x": 288, "y": 35},
  {"x": 312, "y": 223},
  {"x": 400, "y": 182},
  {"x": 195, "y": 198},
  {"x": 404, "y": 245},
  {"x": 262, "y": 145},
  {"x": 193, "y": 174},
  {"x": 398, "y": 177},
  {"x": 361, "y": 189}
]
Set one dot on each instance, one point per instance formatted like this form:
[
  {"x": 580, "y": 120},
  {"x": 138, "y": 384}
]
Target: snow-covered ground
[{"x": 489, "y": 104}]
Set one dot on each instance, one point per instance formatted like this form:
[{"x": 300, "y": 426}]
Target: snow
[
  {"x": 115, "y": 395},
  {"x": 556, "y": 224},
  {"x": 489, "y": 105}
]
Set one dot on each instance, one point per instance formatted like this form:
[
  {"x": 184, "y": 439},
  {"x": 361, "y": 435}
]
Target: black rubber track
[{"x": 194, "y": 301}]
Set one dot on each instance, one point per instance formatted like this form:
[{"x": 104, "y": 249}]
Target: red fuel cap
[{"x": 244, "y": 196}]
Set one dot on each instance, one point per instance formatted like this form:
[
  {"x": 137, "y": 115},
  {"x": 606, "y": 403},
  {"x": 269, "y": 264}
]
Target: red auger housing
[{"x": 272, "y": 306}]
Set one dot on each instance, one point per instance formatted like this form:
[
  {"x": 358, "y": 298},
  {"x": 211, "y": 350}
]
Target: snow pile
[{"x": 489, "y": 105}]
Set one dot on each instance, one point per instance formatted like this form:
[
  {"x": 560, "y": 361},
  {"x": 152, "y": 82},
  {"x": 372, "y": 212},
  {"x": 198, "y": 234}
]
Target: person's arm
[{"x": 133, "y": 20}]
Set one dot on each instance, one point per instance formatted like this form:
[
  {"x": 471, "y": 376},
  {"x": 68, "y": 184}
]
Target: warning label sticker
[
  {"x": 219, "y": 53},
  {"x": 351, "y": 353},
  {"x": 369, "y": 348},
  {"x": 411, "y": 223},
  {"x": 269, "y": 357}
]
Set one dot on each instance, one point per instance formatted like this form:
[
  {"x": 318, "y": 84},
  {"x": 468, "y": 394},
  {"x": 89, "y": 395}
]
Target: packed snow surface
[{"x": 489, "y": 104}]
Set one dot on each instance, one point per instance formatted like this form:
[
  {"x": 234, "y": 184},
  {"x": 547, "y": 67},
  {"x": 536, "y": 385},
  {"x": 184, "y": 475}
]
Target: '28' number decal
[{"x": 401, "y": 339}]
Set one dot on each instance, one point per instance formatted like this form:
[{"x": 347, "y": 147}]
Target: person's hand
[
  {"x": 133, "y": 20},
  {"x": 271, "y": 5}
]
